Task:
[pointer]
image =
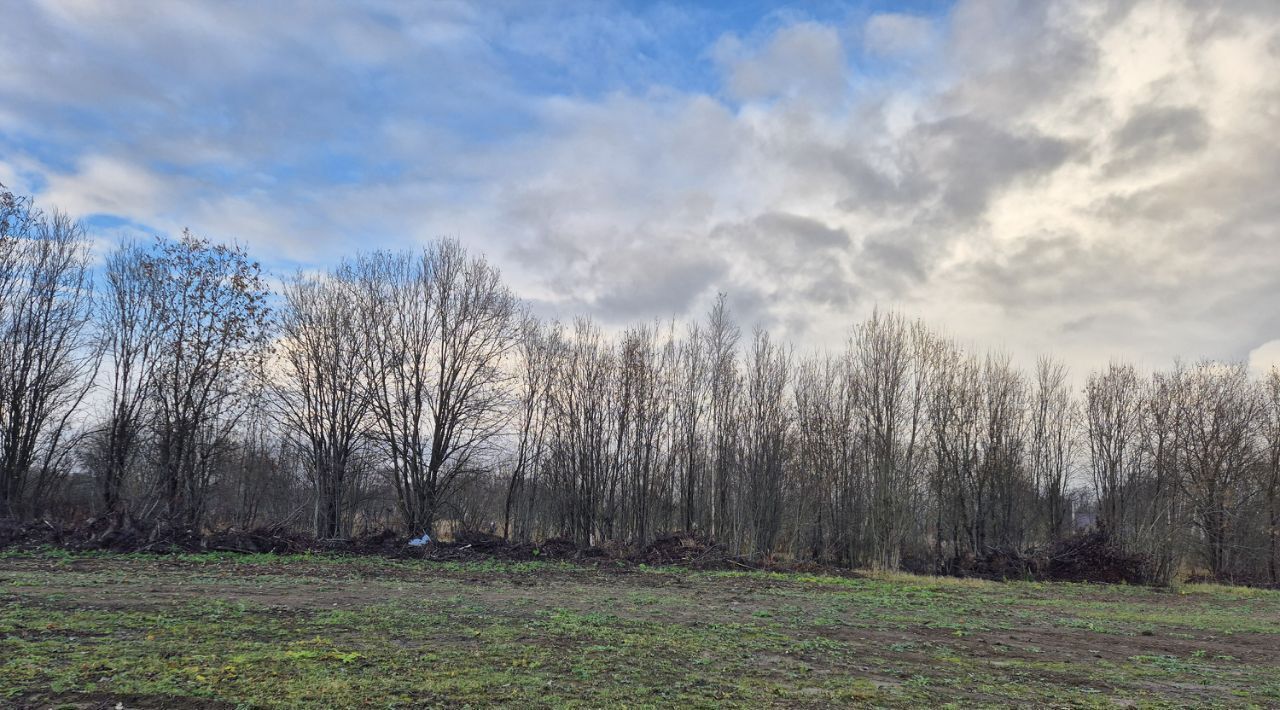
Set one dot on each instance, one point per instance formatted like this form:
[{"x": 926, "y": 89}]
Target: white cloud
[
  {"x": 898, "y": 35},
  {"x": 1093, "y": 179},
  {"x": 108, "y": 185},
  {"x": 805, "y": 59},
  {"x": 1264, "y": 357}
]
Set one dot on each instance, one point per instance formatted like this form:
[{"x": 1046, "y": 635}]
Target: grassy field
[{"x": 87, "y": 631}]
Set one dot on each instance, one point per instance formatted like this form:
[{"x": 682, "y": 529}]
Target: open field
[{"x": 215, "y": 631}]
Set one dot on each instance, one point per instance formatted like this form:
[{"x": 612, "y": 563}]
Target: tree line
[{"x": 414, "y": 388}]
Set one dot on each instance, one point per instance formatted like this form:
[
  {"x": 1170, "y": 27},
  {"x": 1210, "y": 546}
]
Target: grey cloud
[
  {"x": 752, "y": 307},
  {"x": 831, "y": 287},
  {"x": 781, "y": 244},
  {"x": 780, "y": 233},
  {"x": 787, "y": 268},
  {"x": 1216, "y": 212},
  {"x": 661, "y": 284},
  {"x": 1206, "y": 298},
  {"x": 1157, "y": 133},
  {"x": 1046, "y": 269},
  {"x": 1081, "y": 324},
  {"x": 1016, "y": 55},
  {"x": 1151, "y": 204},
  {"x": 800, "y": 232},
  {"x": 972, "y": 159},
  {"x": 874, "y": 190},
  {"x": 952, "y": 166},
  {"x": 955, "y": 165},
  {"x": 898, "y": 261}
]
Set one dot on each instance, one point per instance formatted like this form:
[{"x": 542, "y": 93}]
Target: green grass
[{"x": 327, "y": 631}]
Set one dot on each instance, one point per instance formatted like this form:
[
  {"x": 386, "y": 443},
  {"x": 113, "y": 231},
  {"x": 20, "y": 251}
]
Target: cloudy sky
[{"x": 1089, "y": 179}]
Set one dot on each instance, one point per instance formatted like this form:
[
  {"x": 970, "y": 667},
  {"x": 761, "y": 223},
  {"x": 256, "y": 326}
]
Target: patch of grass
[{"x": 327, "y": 631}]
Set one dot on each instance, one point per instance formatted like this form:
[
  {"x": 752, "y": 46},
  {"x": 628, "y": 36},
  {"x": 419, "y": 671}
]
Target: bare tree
[
  {"x": 722, "y": 350},
  {"x": 535, "y": 366},
  {"x": 1112, "y": 408},
  {"x": 955, "y": 422},
  {"x": 1054, "y": 421},
  {"x": 422, "y": 366},
  {"x": 439, "y": 326},
  {"x": 129, "y": 327},
  {"x": 1009, "y": 492},
  {"x": 322, "y": 388},
  {"x": 46, "y": 354},
  {"x": 1156, "y": 517},
  {"x": 585, "y": 447},
  {"x": 645, "y": 382},
  {"x": 889, "y": 358},
  {"x": 690, "y": 405},
  {"x": 1220, "y": 412},
  {"x": 212, "y": 327},
  {"x": 766, "y": 430},
  {"x": 826, "y": 484},
  {"x": 1271, "y": 469}
]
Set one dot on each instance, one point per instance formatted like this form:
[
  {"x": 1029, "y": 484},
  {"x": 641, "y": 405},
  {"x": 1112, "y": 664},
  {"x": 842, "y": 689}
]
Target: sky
[{"x": 1090, "y": 180}]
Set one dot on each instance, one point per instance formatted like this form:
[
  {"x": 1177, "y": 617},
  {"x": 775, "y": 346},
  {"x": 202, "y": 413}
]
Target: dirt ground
[{"x": 222, "y": 630}]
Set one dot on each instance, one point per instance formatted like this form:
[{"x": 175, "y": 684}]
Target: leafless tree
[
  {"x": 536, "y": 361},
  {"x": 1270, "y": 478},
  {"x": 585, "y": 447},
  {"x": 415, "y": 385},
  {"x": 128, "y": 324},
  {"x": 645, "y": 381},
  {"x": 212, "y": 328},
  {"x": 1008, "y": 493},
  {"x": 690, "y": 413},
  {"x": 725, "y": 386},
  {"x": 1054, "y": 423},
  {"x": 955, "y": 422},
  {"x": 1157, "y": 510},
  {"x": 46, "y": 354},
  {"x": 766, "y": 432},
  {"x": 1113, "y": 402},
  {"x": 322, "y": 387},
  {"x": 889, "y": 358},
  {"x": 826, "y": 484},
  {"x": 439, "y": 325},
  {"x": 1220, "y": 412}
]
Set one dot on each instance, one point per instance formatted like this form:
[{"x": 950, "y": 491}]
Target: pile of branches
[
  {"x": 32, "y": 534},
  {"x": 125, "y": 532},
  {"x": 686, "y": 549},
  {"x": 474, "y": 545},
  {"x": 1087, "y": 556},
  {"x": 1009, "y": 563},
  {"x": 1095, "y": 556},
  {"x": 1090, "y": 556}
]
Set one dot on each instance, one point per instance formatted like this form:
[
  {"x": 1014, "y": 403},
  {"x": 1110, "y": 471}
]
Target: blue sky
[
  {"x": 480, "y": 80},
  {"x": 1071, "y": 177}
]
